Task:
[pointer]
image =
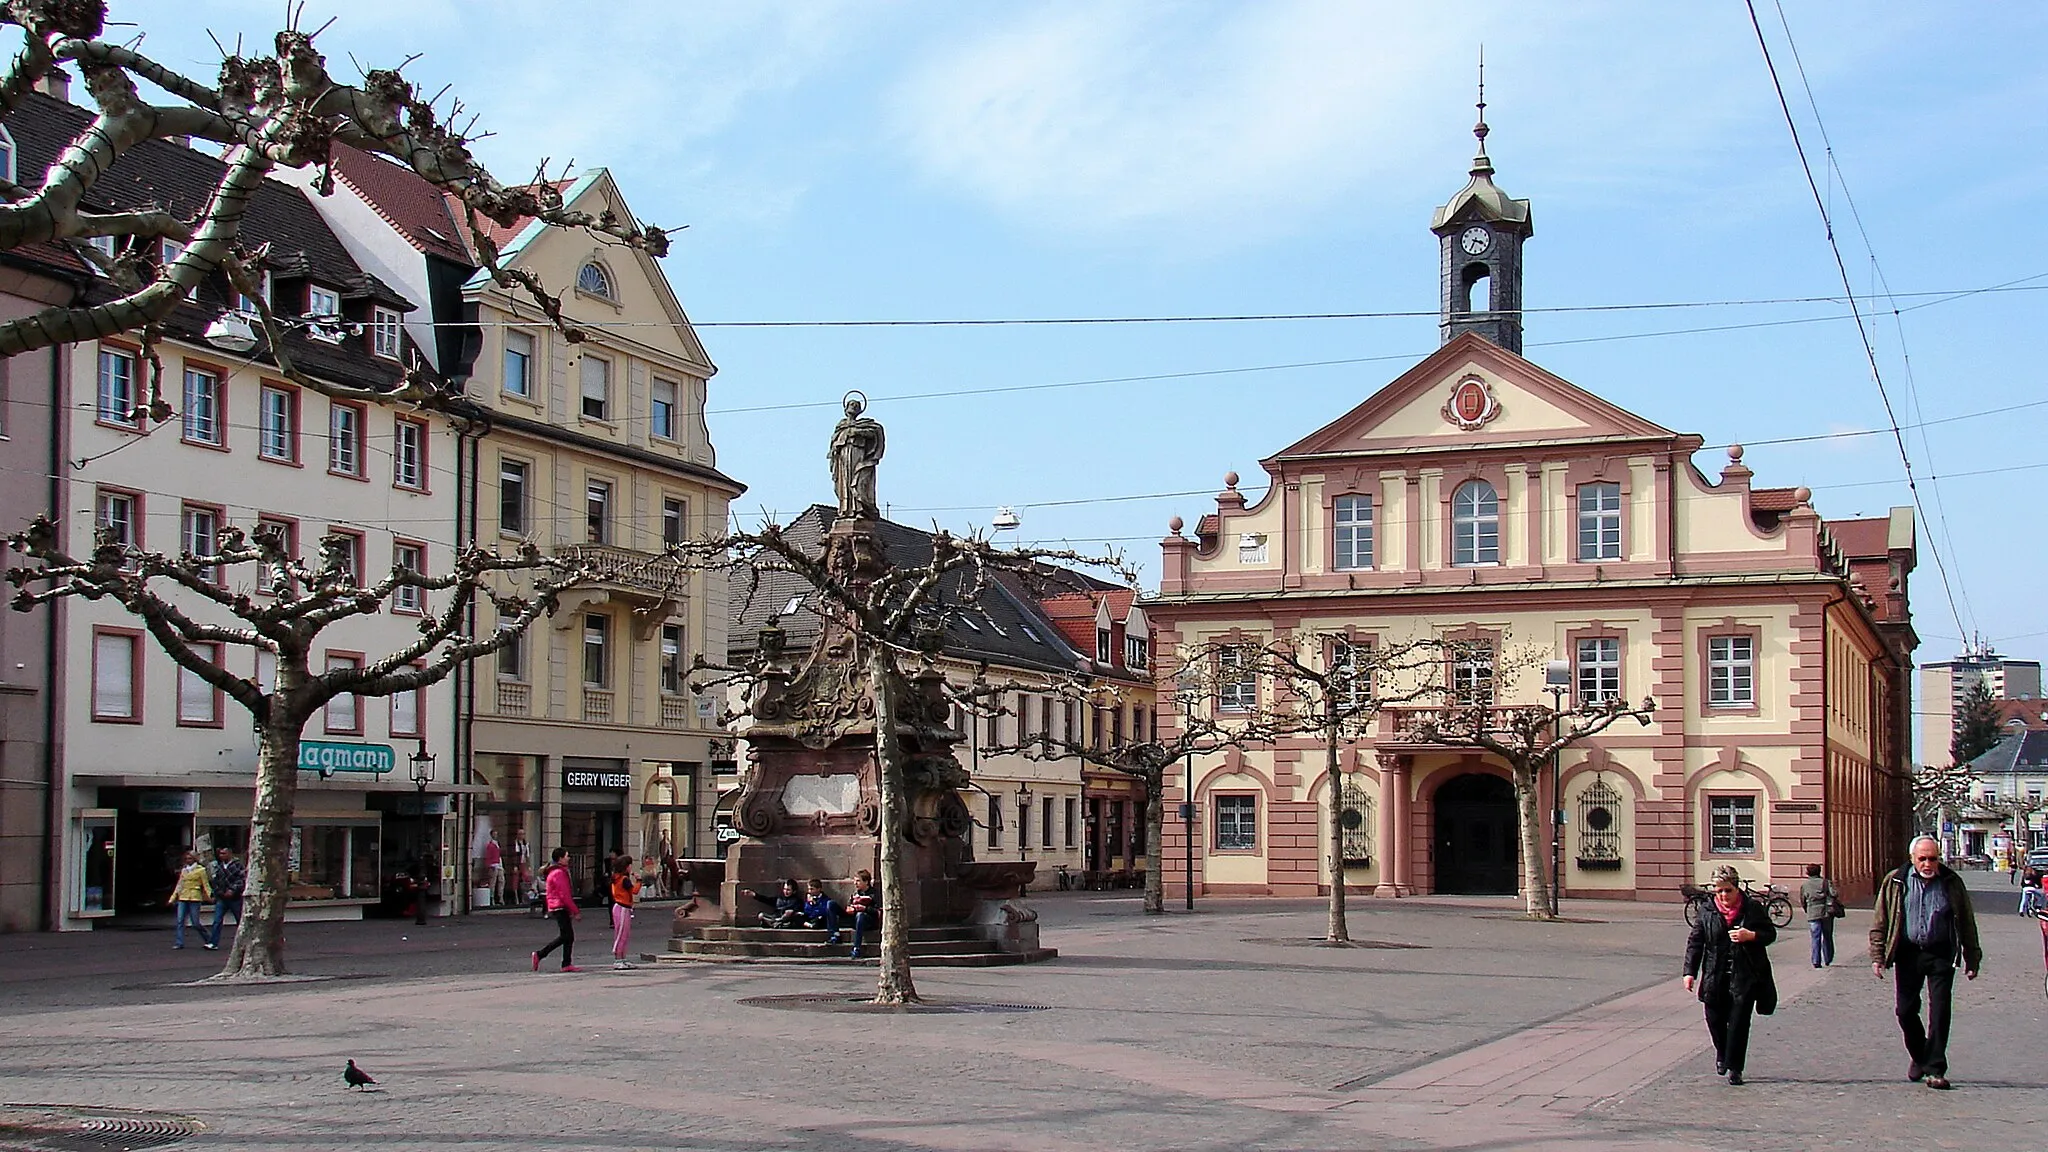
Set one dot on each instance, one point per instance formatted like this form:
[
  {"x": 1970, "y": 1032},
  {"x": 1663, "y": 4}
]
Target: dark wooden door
[{"x": 1477, "y": 852}]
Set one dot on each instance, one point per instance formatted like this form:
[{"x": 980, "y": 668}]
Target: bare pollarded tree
[
  {"x": 881, "y": 612},
  {"x": 190, "y": 609},
  {"x": 283, "y": 111}
]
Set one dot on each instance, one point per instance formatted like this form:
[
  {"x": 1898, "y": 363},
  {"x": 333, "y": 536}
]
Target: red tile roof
[
  {"x": 1773, "y": 499},
  {"x": 1073, "y": 613},
  {"x": 1862, "y": 539},
  {"x": 406, "y": 200},
  {"x": 500, "y": 234}
]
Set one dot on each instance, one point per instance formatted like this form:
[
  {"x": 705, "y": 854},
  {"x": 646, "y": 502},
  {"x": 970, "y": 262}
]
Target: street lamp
[
  {"x": 1023, "y": 819},
  {"x": 1557, "y": 680},
  {"x": 422, "y": 763},
  {"x": 1188, "y": 684}
]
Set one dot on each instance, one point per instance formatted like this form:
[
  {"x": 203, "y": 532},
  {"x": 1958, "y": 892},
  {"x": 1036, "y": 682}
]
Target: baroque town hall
[{"x": 1478, "y": 498}]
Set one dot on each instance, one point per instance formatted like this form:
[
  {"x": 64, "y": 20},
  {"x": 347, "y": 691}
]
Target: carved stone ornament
[
  {"x": 758, "y": 812},
  {"x": 1472, "y": 405}
]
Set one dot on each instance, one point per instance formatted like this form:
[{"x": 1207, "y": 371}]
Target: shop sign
[
  {"x": 614, "y": 780},
  {"x": 157, "y": 803},
  {"x": 328, "y": 757},
  {"x": 436, "y": 805}
]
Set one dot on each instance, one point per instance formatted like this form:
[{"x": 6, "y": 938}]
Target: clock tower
[{"x": 1480, "y": 235}]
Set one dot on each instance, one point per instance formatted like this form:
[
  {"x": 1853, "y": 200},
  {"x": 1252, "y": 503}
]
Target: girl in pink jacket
[{"x": 561, "y": 901}]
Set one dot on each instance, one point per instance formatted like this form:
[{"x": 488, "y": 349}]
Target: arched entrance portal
[{"x": 1476, "y": 844}]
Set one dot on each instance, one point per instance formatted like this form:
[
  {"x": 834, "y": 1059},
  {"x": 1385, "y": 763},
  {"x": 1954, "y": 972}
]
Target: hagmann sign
[{"x": 327, "y": 757}]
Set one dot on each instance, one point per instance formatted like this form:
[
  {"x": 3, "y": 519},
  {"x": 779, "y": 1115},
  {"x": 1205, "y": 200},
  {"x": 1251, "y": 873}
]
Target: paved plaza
[{"x": 1460, "y": 1027}]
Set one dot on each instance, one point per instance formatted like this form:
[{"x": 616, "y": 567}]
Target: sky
[{"x": 938, "y": 161}]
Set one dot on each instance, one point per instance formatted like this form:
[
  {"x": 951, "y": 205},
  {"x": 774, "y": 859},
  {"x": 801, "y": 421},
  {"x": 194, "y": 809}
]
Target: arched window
[
  {"x": 596, "y": 281},
  {"x": 1475, "y": 524},
  {"x": 1475, "y": 289}
]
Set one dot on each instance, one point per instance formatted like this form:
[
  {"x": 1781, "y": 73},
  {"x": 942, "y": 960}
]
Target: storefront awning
[{"x": 308, "y": 782}]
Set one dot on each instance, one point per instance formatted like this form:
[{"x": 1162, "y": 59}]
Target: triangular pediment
[{"x": 1468, "y": 394}]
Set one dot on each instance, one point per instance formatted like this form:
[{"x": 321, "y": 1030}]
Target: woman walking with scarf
[{"x": 1725, "y": 963}]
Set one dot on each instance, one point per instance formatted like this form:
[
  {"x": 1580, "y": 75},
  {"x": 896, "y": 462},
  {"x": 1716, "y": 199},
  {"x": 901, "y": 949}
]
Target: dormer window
[
  {"x": 322, "y": 301},
  {"x": 384, "y": 333},
  {"x": 1137, "y": 651},
  {"x": 594, "y": 280},
  {"x": 1104, "y": 651},
  {"x": 246, "y": 303},
  {"x": 6, "y": 154},
  {"x": 172, "y": 250}
]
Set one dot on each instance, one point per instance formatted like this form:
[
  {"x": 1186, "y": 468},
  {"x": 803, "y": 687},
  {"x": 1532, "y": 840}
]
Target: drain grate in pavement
[
  {"x": 79, "y": 1128},
  {"x": 840, "y": 1002},
  {"x": 1320, "y": 942}
]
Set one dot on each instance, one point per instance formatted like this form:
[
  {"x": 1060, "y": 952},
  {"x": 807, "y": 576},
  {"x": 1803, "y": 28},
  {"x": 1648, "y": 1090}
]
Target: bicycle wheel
[
  {"x": 1692, "y": 913},
  {"x": 1780, "y": 910}
]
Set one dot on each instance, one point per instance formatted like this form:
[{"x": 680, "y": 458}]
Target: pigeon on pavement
[{"x": 356, "y": 1077}]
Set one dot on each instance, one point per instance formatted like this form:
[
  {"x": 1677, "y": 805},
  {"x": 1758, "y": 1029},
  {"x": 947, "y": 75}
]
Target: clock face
[{"x": 1475, "y": 240}]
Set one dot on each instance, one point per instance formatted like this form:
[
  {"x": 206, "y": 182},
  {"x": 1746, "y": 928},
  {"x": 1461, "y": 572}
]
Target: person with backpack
[
  {"x": 1823, "y": 906},
  {"x": 229, "y": 879},
  {"x": 624, "y": 889},
  {"x": 561, "y": 904}
]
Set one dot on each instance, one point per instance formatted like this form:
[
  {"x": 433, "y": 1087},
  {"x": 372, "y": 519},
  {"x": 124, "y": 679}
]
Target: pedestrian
[
  {"x": 187, "y": 896},
  {"x": 1725, "y": 963},
  {"x": 229, "y": 879},
  {"x": 1924, "y": 922},
  {"x": 624, "y": 889},
  {"x": 865, "y": 907},
  {"x": 561, "y": 904},
  {"x": 2030, "y": 890},
  {"x": 1817, "y": 896}
]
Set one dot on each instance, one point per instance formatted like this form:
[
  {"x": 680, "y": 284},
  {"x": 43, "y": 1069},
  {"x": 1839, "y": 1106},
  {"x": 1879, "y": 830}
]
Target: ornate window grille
[
  {"x": 1357, "y": 819},
  {"x": 1600, "y": 825}
]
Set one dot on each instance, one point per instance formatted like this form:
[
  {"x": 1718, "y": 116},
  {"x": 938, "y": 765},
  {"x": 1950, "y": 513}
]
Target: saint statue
[{"x": 856, "y": 449}]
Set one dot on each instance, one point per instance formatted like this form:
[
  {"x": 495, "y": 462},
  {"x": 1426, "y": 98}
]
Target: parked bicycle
[{"x": 1777, "y": 902}]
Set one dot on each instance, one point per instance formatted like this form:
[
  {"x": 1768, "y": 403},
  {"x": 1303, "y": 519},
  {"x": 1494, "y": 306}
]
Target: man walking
[
  {"x": 229, "y": 879},
  {"x": 1923, "y": 923}
]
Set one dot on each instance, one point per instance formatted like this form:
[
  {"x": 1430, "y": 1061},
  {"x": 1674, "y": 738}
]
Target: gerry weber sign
[
  {"x": 327, "y": 757},
  {"x": 596, "y": 778}
]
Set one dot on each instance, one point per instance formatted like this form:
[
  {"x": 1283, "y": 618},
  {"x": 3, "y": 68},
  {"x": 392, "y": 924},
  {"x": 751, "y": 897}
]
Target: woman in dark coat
[{"x": 1726, "y": 964}]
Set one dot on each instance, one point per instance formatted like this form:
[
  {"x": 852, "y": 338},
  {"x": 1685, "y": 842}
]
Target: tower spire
[{"x": 1481, "y": 164}]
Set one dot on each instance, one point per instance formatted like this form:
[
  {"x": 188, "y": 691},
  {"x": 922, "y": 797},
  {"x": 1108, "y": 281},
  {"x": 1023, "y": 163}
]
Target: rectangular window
[
  {"x": 253, "y": 305},
  {"x": 322, "y": 301},
  {"x": 1237, "y": 687},
  {"x": 116, "y": 677},
  {"x": 117, "y": 389},
  {"x": 662, "y": 418},
  {"x": 512, "y": 497},
  {"x": 200, "y": 535},
  {"x": 1731, "y": 671},
  {"x": 1023, "y": 823},
  {"x": 118, "y": 514},
  {"x": 405, "y": 713},
  {"x": 266, "y": 670},
  {"x": 1731, "y": 825},
  {"x": 1067, "y": 830},
  {"x": 1600, "y": 521},
  {"x": 1137, "y": 651},
  {"x": 279, "y": 419},
  {"x": 344, "y": 709},
  {"x": 384, "y": 333},
  {"x": 597, "y": 512},
  {"x": 1599, "y": 669},
  {"x": 412, "y": 558},
  {"x": 1045, "y": 823},
  {"x": 995, "y": 821},
  {"x": 512, "y": 659},
  {"x": 1472, "y": 673},
  {"x": 202, "y": 416},
  {"x": 675, "y": 517},
  {"x": 1237, "y": 823},
  {"x": 597, "y": 388},
  {"x": 350, "y": 553},
  {"x": 1353, "y": 523},
  {"x": 597, "y": 664},
  {"x": 199, "y": 702},
  {"x": 1103, "y": 651},
  {"x": 672, "y": 659},
  {"x": 408, "y": 453},
  {"x": 519, "y": 364},
  {"x": 345, "y": 439}
]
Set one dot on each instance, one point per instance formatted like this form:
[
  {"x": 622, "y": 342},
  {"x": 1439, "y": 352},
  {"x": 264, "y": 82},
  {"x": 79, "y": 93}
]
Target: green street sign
[{"x": 327, "y": 757}]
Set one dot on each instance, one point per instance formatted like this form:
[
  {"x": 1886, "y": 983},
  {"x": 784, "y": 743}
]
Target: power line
[{"x": 1862, "y": 332}]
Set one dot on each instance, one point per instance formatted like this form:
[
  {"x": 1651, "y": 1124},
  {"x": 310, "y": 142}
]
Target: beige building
[{"x": 1483, "y": 501}]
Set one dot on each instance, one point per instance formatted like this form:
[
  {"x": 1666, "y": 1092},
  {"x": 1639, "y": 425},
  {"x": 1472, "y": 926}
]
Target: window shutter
[
  {"x": 195, "y": 696},
  {"x": 113, "y": 677}
]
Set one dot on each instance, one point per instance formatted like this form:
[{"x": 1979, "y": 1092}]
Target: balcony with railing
[
  {"x": 1407, "y": 726},
  {"x": 514, "y": 699},
  {"x": 675, "y": 711},
  {"x": 648, "y": 573},
  {"x": 597, "y": 705}
]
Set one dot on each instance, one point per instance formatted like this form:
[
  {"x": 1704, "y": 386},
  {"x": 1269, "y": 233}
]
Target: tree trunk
[
  {"x": 1535, "y": 881},
  {"x": 893, "y": 985},
  {"x": 258, "y": 950},
  {"x": 1155, "y": 842},
  {"x": 1333, "y": 780}
]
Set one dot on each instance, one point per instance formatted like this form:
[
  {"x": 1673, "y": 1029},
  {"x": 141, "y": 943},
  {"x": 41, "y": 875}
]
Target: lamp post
[
  {"x": 422, "y": 762},
  {"x": 1557, "y": 680},
  {"x": 1023, "y": 819},
  {"x": 1188, "y": 685}
]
